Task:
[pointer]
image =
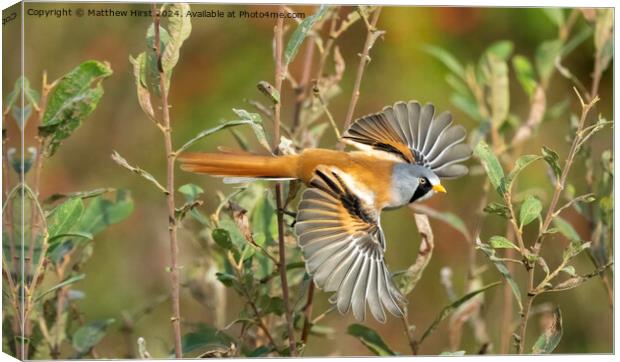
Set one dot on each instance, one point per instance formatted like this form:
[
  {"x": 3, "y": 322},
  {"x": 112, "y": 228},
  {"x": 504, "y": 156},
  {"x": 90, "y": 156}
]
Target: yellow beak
[{"x": 439, "y": 188}]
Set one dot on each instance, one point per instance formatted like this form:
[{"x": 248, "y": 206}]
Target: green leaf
[
  {"x": 575, "y": 248},
  {"x": 530, "y": 209},
  {"x": 450, "y": 353},
  {"x": 191, "y": 191},
  {"x": 570, "y": 270},
  {"x": 603, "y": 27},
  {"x": 263, "y": 220},
  {"x": 545, "y": 57},
  {"x": 522, "y": 162},
  {"x": 65, "y": 282},
  {"x": 549, "y": 340},
  {"x": 102, "y": 212},
  {"x": 603, "y": 39},
  {"x": 64, "y": 217},
  {"x": 257, "y": 126},
  {"x": 211, "y": 131},
  {"x": 449, "y": 218},
  {"x": 583, "y": 34},
  {"x": 236, "y": 235},
  {"x": 445, "y": 312},
  {"x": 446, "y": 58},
  {"x": 525, "y": 74},
  {"x": 566, "y": 229},
  {"x": 78, "y": 234},
  {"x": 270, "y": 305},
  {"x": 491, "y": 166},
  {"x": 503, "y": 269},
  {"x": 226, "y": 279},
  {"x": 497, "y": 208},
  {"x": 499, "y": 88},
  {"x": 71, "y": 101},
  {"x": 501, "y": 49},
  {"x": 556, "y": 15},
  {"x": 467, "y": 104},
  {"x": 139, "y": 71},
  {"x": 116, "y": 157},
  {"x": 179, "y": 28},
  {"x": 206, "y": 340},
  {"x": 552, "y": 159},
  {"x": 370, "y": 339},
  {"x": 270, "y": 91},
  {"x": 222, "y": 238},
  {"x": 151, "y": 74},
  {"x": 500, "y": 242},
  {"x": 300, "y": 33},
  {"x": 87, "y": 336}
]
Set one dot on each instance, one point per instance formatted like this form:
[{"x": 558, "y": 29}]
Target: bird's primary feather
[
  {"x": 343, "y": 244},
  {"x": 410, "y": 132}
]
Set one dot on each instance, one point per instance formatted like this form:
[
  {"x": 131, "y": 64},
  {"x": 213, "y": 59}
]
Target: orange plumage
[{"x": 370, "y": 171}]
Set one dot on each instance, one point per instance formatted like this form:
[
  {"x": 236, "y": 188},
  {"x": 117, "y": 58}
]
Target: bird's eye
[{"x": 422, "y": 181}]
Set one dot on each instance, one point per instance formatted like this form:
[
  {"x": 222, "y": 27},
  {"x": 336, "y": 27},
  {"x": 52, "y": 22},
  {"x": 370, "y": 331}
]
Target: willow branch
[
  {"x": 278, "y": 188},
  {"x": 172, "y": 224},
  {"x": 371, "y": 37}
]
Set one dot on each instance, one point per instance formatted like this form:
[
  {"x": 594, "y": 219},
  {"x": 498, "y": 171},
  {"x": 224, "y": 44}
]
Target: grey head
[{"x": 411, "y": 182}]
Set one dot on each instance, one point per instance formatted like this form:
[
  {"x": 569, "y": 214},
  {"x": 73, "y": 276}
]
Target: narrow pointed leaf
[
  {"x": 300, "y": 33},
  {"x": 491, "y": 165},
  {"x": 71, "y": 101},
  {"x": 445, "y": 312},
  {"x": 500, "y": 242},
  {"x": 87, "y": 336},
  {"x": 530, "y": 209},
  {"x": 503, "y": 269},
  {"x": 525, "y": 74},
  {"x": 370, "y": 339},
  {"x": 549, "y": 340},
  {"x": 446, "y": 58}
]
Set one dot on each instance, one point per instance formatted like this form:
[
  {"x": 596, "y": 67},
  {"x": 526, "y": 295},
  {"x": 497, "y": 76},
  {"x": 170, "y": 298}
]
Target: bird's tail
[{"x": 240, "y": 165}]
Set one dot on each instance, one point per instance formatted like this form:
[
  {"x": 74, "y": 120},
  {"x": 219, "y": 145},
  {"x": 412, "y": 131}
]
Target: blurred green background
[{"x": 220, "y": 65}]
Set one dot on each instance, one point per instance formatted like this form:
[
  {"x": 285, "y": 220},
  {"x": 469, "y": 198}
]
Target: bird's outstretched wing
[
  {"x": 343, "y": 245},
  {"x": 410, "y": 132}
]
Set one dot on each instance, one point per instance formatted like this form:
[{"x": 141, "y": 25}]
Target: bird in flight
[{"x": 404, "y": 152}]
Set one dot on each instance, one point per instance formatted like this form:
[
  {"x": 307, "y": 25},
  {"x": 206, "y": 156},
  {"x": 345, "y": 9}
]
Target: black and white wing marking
[
  {"x": 410, "y": 132},
  {"x": 343, "y": 245}
]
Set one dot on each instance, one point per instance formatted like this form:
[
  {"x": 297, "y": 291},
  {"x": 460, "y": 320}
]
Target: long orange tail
[{"x": 240, "y": 165}]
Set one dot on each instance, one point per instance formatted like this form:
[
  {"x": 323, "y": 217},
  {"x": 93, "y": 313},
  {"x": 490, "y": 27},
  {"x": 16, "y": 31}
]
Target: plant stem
[
  {"x": 585, "y": 110},
  {"x": 302, "y": 87},
  {"x": 413, "y": 344},
  {"x": 525, "y": 315},
  {"x": 308, "y": 314},
  {"x": 172, "y": 224},
  {"x": 279, "y": 75},
  {"x": 364, "y": 59},
  {"x": 569, "y": 162}
]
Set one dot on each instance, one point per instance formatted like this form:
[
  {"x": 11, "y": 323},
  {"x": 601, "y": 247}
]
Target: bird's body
[
  {"x": 404, "y": 152},
  {"x": 370, "y": 172}
]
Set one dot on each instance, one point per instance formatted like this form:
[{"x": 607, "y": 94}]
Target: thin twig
[
  {"x": 549, "y": 216},
  {"x": 172, "y": 223},
  {"x": 371, "y": 37},
  {"x": 308, "y": 314},
  {"x": 302, "y": 88},
  {"x": 279, "y": 75},
  {"x": 332, "y": 121}
]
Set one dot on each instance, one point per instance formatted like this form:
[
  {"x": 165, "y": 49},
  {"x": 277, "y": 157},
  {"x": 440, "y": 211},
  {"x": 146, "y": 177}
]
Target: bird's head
[
  {"x": 428, "y": 183},
  {"x": 416, "y": 182}
]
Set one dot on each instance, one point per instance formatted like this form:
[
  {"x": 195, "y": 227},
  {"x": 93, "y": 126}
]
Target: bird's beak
[{"x": 439, "y": 188}]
